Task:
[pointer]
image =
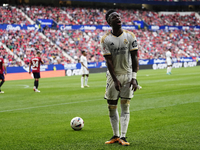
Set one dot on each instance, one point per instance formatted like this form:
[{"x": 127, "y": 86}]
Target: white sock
[
  {"x": 170, "y": 69},
  {"x": 167, "y": 69},
  {"x": 114, "y": 119},
  {"x": 86, "y": 80},
  {"x": 82, "y": 79},
  {"x": 124, "y": 119}
]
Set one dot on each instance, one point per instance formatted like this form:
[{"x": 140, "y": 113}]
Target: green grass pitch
[{"x": 165, "y": 113}]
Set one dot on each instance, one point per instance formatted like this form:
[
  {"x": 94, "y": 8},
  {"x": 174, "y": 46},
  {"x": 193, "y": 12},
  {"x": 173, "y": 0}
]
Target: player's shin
[
  {"x": 36, "y": 83},
  {"x": 82, "y": 79},
  {"x": 125, "y": 116},
  {"x": 2, "y": 83},
  {"x": 168, "y": 69},
  {"x": 114, "y": 119},
  {"x": 86, "y": 80}
]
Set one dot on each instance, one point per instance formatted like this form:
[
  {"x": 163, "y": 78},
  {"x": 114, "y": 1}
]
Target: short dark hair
[
  {"x": 83, "y": 52},
  {"x": 38, "y": 52},
  {"x": 108, "y": 13}
]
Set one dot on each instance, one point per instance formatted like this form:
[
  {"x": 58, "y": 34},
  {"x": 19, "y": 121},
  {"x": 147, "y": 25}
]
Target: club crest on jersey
[
  {"x": 112, "y": 44},
  {"x": 125, "y": 41}
]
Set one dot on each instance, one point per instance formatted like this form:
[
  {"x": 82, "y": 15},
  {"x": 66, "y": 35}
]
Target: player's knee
[
  {"x": 112, "y": 110},
  {"x": 3, "y": 80},
  {"x": 111, "y": 107},
  {"x": 125, "y": 103}
]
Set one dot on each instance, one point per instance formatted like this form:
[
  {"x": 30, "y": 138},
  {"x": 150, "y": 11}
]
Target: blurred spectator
[{"x": 10, "y": 15}]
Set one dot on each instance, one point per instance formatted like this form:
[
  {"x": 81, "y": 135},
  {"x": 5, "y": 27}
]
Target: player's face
[
  {"x": 115, "y": 20},
  {"x": 85, "y": 54}
]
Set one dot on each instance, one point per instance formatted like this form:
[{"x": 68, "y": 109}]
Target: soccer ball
[{"x": 77, "y": 123}]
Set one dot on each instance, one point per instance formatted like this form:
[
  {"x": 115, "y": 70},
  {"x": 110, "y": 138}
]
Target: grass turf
[{"x": 165, "y": 113}]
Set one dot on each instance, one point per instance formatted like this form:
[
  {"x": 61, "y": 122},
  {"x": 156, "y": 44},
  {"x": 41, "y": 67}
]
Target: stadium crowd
[
  {"x": 90, "y": 16},
  {"x": 74, "y": 41},
  {"x": 24, "y": 44},
  {"x": 9, "y": 58},
  {"x": 151, "y": 44},
  {"x": 10, "y": 15}
]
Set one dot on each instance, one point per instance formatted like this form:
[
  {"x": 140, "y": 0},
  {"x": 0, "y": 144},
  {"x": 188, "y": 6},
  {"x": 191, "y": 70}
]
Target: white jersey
[
  {"x": 119, "y": 48},
  {"x": 83, "y": 59},
  {"x": 168, "y": 55},
  {"x": 168, "y": 58}
]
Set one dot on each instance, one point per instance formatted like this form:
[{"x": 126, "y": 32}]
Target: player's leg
[
  {"x": 82, "y": 80},
  {"x": 126, "y": 94},
  {"x": 170, "y": 69},
  {"x": 86, "y": 80},
  {"x": 112, "y": 96},
  {"x": 2, "y": 82},
  {"x": 124, "y": 120},
  {"x": 114, "y": 120}
]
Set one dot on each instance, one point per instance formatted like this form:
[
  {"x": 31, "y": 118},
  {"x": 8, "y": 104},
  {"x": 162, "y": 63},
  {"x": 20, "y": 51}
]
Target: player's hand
[
  {"x": 5, "y": 73},
  {"x": 133, "y": 83},
  {"x": 117, "y": 85},
  {"x": 29, "y": 72},
  {"x": 87, "y": 69}
]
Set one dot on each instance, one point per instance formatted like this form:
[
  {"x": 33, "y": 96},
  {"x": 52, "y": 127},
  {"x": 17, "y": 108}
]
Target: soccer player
[
  {"x": 84, "y": 69},
  {"x": 2, "y": 69},
  {"x": 35, "y": 63},
  {"x": 119, "y": 48},
  {"x": 139, "y": 87},
  {"x": 169, "y": 61}
]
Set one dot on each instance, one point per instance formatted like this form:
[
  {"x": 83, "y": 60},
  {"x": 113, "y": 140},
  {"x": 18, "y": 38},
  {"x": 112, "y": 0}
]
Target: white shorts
[
  {"x": 84, "y": 71},
  {"x": 125, "y": 91},
  {"x": 169, "y": 62}
]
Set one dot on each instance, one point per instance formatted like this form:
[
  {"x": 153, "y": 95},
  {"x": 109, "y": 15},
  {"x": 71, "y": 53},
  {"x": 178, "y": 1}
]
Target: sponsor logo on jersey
[
  {"x": 119, "y": 50},
  {"x": 112, "y": 44}
]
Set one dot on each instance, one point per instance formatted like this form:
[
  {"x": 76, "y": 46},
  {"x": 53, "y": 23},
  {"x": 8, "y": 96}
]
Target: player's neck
[{"x": 117, "y": 31}]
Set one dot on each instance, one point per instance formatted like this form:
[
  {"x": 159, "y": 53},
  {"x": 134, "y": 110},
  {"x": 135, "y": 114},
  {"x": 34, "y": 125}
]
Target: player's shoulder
[
  {"x": 105, "y": 36},
  {"x": 129, "y": 33}
]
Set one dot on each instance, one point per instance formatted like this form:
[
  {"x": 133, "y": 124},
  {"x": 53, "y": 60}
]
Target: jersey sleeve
[
  {"x": 81, "y": 59},
  {"x": 133, "y": 42},
  {"x": 104, "y": 47}
]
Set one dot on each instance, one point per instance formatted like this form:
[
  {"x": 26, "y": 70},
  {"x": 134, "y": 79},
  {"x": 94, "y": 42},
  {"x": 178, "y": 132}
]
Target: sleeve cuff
[{"x": 134, "y": 49}]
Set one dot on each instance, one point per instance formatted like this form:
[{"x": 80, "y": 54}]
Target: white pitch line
[
  {"x": 92, "y": 100},
  {"x": 49, "y": 105},
  {"x": 162, "y": 91},
  {"x": 25, "y": 86},
  {"x": 165, "y": 106}
]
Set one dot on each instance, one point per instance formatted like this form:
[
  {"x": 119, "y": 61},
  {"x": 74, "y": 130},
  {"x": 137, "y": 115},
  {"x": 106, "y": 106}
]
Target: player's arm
[
  {"x": 84, "y": 65},
  {"x": 134, "y": 58},
  {"x": 5, "y": 69},
  {"x": 112, "y": 72},
  {"x": 42, "y": 62},
  {"x": 135, "y": 64},
  {"x": 29, "y": 67}
]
